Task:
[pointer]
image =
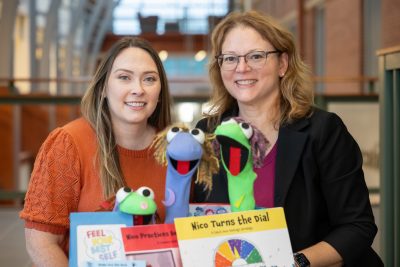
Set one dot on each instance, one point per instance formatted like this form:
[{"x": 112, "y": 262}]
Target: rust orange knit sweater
[{"x": 65, "y": 179}]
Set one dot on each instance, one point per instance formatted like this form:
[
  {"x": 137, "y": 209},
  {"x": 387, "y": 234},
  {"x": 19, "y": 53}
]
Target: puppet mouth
[
  {"x": 142, "y": 219},
  {"x": 234, "y": 154},
  {"x": 183, "y": 167}
]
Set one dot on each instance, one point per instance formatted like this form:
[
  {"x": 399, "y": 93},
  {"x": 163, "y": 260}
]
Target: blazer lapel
[{"x": 291, "y": 143}]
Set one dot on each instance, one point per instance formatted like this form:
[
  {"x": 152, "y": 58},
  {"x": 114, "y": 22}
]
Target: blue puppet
[{"x": 184, "y": 151}]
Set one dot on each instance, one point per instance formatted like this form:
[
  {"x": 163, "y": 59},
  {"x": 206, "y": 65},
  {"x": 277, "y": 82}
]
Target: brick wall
[
  {"x": 343, "y": 24},
  {"x": 343, "y": 36},
  {"x": 390, "y": 23}
]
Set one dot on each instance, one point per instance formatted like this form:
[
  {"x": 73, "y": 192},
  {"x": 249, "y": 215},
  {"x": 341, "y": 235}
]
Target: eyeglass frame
[{"x": 218, "y": 57}]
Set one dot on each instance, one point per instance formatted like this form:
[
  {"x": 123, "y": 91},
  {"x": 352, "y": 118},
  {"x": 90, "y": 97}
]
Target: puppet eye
[
  {"x": 228, "y": 120},
  {"x": 146, "y": 192},
  {"x": 122, "y": 194},
  {"x": 198, "y": 135},
  {"x": 246, "y": 129},
  {"x": 172, "y": 132}
]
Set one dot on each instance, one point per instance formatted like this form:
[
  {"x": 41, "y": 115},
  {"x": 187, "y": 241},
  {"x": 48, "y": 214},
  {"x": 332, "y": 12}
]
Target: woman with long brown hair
[{"x": 85, "y": 162}]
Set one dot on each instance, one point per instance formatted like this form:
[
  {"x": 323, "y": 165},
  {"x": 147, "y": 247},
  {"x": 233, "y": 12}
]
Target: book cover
[
  {"x": 257, "y": 238},
  {"x": 200, "y": 209},
  {"x": 156, "y": 244},
  {"x": 96, "y": 236},
  {"x": 124, "y": 263}
]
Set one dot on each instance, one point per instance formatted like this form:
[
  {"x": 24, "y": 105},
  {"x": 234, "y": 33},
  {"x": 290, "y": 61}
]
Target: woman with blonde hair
[
  {"x": 85, "y": 162},
  {"x": 313, "y": 166}
]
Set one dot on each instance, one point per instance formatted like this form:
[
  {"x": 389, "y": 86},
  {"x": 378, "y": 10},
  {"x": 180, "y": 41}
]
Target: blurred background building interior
[{"x": 49, "y": 50}]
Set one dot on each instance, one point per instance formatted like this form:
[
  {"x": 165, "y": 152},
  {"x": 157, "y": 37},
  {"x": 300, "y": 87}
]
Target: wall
[
  {"x": 36, "y": 123},
  {"x": 343, "y": 44},
  {"x": 309, "y": 38},
  {"x": 390, "y": 23},
  {"x": 6, "y": 141}
]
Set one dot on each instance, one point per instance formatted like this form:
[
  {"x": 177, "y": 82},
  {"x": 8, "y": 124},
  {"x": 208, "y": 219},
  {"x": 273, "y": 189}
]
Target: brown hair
[
  {"x": 209, "y": 163},
  {"x": 296, "y": 93},
  {"x": 95, "y": 109}
]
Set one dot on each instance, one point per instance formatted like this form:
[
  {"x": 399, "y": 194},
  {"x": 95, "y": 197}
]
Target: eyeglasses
[{"x": 255, "y": 59}]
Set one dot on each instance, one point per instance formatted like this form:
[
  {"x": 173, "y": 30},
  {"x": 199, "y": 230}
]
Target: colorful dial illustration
[{"x": 236, "y": 252}]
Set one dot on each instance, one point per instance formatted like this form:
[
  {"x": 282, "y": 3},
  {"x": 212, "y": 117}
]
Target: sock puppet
[
  {"x": 139, "y": 203},
  {"x": 184, "y": 151},
  {"x": 241, "y": 147}
]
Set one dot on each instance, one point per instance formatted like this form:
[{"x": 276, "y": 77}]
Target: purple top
[{"x": 265, "y": 182}]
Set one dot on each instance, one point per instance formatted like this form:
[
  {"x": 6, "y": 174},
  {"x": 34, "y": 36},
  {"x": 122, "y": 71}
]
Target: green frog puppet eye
[
  {"x": 146, "y": 192},
  {"x": 198, "y": 135},
  {"x": 122, "y": 193},
  {"x": 246, "y": 129},
  {"x": 172, "y": 132},
  {"x": 228, "y": 120}
]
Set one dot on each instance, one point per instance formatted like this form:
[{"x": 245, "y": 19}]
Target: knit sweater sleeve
[{"x": 54, "y": 185}]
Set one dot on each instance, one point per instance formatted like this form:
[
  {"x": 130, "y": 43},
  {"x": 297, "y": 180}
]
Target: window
[{"x": 188, "y": 16}]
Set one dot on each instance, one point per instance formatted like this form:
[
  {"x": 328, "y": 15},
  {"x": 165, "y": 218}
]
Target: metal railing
[{"x": 17, "y": 100}]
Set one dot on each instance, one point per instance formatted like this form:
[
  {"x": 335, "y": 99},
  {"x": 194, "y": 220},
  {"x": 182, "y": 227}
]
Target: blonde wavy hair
[
  {"x": 95, "y": 110},
  {"x": 209, "y": 163},
  {"x": 296, "y": 93}
]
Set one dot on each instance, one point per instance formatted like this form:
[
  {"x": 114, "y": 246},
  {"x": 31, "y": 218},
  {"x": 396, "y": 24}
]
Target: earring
[{"x": 282, "y": 74}]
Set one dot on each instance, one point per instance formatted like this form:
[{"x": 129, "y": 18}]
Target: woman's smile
[
  {"x": 135, "y": 104},
  {"x": 246, "y": 82}
]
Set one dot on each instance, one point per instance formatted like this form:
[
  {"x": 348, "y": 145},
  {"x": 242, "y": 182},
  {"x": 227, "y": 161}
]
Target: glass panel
[{"x": 191, "y": 16}]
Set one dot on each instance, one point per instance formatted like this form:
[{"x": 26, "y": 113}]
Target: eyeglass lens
[{"x": 255, "y": 59}]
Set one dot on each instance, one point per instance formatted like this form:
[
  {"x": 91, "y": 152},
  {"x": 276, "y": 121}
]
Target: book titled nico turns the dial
[{"x": 257, "y": 238}]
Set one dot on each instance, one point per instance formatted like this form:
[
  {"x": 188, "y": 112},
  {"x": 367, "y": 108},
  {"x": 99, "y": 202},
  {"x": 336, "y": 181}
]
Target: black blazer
[{"x": 320, "y": 183}]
